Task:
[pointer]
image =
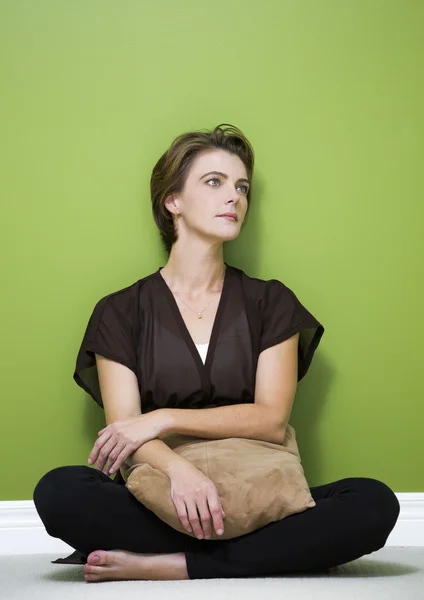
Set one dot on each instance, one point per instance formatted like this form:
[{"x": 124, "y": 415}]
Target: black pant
[{"x": 90, "y": 511}]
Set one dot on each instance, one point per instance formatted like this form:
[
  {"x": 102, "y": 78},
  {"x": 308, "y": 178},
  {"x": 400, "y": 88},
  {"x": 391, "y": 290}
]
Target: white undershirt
[{"x": 203, "y": 350}]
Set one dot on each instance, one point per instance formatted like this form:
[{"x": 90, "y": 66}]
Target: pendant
[{"x": 199, "y": 315}]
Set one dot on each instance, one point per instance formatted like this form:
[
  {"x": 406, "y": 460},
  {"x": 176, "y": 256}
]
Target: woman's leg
[
  {"x": 86, "y": 509},
  {"x": 352, "y": 517}
]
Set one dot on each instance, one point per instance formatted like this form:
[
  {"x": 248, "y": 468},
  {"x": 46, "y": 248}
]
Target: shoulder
[
  {"x": 263, "y": 291},
  {"x": 125, "y": 300}
]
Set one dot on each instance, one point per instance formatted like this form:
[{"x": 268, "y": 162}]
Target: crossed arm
[
  {"x": 266, "y": 419},
  {"x": 236, "y": 420}
]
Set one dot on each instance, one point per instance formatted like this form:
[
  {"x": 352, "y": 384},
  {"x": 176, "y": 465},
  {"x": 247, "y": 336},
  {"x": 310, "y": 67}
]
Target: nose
[{"x": 234, "y": 197}]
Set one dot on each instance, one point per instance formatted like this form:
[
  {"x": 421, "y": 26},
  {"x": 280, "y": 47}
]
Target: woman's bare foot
[{"x": 116, "y": 565}]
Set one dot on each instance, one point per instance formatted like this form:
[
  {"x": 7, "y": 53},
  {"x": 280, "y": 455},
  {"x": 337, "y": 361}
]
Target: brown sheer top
[{"x": 141, "y": 327}]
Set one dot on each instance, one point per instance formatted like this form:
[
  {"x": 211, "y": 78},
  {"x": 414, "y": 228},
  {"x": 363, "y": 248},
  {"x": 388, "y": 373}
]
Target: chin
[{"x": 229, "y": 237}]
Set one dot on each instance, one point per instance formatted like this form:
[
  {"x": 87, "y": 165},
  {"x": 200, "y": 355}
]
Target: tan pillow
[{"x": 258, "y": 482}]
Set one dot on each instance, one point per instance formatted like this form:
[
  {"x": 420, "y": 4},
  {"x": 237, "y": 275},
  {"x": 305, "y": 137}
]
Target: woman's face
[{"x": 207, "y": 195}]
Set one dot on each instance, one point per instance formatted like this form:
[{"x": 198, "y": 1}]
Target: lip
[{"x": 232, "y": 216}]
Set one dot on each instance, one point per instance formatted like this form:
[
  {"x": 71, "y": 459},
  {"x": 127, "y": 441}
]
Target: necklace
[{"x": 200, "y": 314}]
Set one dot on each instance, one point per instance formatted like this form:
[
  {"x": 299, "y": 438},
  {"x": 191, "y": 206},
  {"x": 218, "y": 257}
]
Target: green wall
[{"x": 329, "y": 92}]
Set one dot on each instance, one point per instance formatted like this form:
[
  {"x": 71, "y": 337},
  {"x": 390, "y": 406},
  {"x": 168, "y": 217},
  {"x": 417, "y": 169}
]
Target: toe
[
  {"x": 92, "y": 569},
  {"x": 101, "y": 575},
  {"x": 100, "y": 554}
]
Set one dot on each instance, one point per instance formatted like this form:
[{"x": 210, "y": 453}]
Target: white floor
[{"x": 395, "y": 573}]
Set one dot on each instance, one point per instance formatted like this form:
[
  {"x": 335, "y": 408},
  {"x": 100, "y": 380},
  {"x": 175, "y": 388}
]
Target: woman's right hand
[{"x": 192, "y": 491}]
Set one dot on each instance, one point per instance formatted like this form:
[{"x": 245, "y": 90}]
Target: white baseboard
[{"x": 22, "y": 531}]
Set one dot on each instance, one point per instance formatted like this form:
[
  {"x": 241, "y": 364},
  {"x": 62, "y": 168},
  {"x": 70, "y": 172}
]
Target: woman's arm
[
  {"x": 158, "y": 455},
  {"x": 121, "y": 400}
]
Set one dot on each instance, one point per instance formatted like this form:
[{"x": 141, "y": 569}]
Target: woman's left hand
[{"x": 121, "y": 438}]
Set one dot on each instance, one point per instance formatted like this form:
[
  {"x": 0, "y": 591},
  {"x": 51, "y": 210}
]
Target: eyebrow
[{"x": 224, "y": 176}]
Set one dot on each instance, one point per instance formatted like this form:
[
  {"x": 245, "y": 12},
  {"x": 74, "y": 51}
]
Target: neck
[{"x": 194, "y": 273}]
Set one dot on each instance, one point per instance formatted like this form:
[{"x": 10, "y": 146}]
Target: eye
[
  {"x": 213, "y": 179},
  {"x": 216, "y": 179}
]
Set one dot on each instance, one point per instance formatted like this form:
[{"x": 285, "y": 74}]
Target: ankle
[{"x": 167, "y": 566}]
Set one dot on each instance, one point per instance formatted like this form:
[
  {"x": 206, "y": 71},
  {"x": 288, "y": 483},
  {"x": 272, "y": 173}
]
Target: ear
[{"x": 171, "y": 204}]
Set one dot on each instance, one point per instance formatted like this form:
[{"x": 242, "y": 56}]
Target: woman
[{"x": 195, "y": 334}]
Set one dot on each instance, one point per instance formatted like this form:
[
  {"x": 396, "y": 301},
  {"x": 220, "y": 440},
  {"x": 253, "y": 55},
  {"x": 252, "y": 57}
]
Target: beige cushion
[{"x": 258, "y": 482}]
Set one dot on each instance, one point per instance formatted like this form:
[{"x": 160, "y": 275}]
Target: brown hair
[{"x": 171, "y": 170}]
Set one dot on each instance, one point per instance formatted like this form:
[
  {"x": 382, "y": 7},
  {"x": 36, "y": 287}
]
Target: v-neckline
[{"x": 203, "y": 367}]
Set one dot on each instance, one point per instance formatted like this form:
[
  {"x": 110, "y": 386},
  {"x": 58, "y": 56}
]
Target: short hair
[{"x": 171, "y": 170}]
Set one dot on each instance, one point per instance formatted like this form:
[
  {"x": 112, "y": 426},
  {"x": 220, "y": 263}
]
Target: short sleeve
[
  {"x": 109, "y": 333},
  {"x": 283, "y": 316}
]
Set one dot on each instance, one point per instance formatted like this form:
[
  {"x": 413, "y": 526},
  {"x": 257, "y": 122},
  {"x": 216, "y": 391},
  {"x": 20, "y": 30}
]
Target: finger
[
  {"x": 181, "y": 509},
  {"x": 92, "y": 457},
  {"x": 205, "y": 516},
  {"x": 193, "y": 517},
  {"x": 121, "y": 453},
  {"x": 217, "y": 516},
  {"x": 112, "y": 459},
  {"x": 99, "y": 453},
  {"x": 103, "y": 460},
  {"x": 104, "y": 453}
]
